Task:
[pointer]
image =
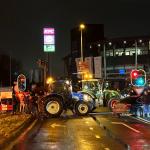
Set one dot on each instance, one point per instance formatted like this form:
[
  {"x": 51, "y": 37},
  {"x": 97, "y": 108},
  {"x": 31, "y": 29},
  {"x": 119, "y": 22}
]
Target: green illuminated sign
[{"x": 49, "y": 48}]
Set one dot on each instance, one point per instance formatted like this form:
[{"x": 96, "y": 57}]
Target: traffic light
[
  {"x": 138, "y": 78},
  {"x": 21, "y": 82}
]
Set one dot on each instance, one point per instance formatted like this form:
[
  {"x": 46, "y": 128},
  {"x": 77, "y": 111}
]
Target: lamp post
[
  {"x": 136, "y": 53},
  {"x": 82, "y": 26},
  {"x": 104, "y": 55}
]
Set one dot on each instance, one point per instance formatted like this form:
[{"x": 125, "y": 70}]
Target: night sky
[{"x": 21, "y": 24}]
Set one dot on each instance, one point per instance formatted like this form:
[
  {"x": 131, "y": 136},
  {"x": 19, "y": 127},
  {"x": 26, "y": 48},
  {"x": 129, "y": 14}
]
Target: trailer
[{"x": 6, "y": 101}]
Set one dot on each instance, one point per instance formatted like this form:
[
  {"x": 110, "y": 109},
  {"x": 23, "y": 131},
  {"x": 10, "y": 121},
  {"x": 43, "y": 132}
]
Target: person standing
[
  {"x": 146, "y": 104},
  {"x": 22, "y": 102}
]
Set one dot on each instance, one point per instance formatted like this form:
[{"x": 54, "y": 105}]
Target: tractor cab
[
  {"x": 92, "y": 86},
  {"x": 99, "y": 90}
]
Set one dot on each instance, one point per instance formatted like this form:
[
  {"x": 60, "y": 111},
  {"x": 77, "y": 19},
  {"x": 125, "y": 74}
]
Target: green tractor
[{"x": 101, "y": 94}]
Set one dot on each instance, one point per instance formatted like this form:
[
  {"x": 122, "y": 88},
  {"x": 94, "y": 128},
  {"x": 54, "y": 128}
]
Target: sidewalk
[{"x": 12, "y": 126}]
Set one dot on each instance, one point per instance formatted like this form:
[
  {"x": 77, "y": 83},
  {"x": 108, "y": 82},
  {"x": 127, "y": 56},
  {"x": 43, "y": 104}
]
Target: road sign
[
  {"x": 121, "y": 71},
  {"x": 83, "y": 66}
]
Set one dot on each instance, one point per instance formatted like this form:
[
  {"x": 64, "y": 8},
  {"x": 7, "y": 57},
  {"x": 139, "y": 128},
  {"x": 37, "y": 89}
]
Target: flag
[{"x": 98, "y": 66}]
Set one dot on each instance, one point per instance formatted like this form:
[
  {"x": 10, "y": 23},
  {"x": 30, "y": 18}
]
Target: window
[{"x": 127, "y": 53}]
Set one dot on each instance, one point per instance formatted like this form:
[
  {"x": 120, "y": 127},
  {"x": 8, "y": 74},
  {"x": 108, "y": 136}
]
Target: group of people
[
  {"x": 26, "y": 101},
  {"x": 142, "y": 102},
  {"x": 23, "y": 102}
]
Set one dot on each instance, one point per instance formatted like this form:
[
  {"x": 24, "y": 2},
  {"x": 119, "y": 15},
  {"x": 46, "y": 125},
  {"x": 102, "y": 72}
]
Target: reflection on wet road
[{"x": 70, "y": 133}]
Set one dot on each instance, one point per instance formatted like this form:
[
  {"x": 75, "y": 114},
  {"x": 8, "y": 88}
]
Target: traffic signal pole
[{"x": 104, "y": 50}]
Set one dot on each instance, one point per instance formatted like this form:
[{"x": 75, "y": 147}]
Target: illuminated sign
[
  {"x": 121, "y": 71},
  {"x": 49, "y": 48},
  {"x": 49, "y": 39},
  {"x": 48, "y": 31}
]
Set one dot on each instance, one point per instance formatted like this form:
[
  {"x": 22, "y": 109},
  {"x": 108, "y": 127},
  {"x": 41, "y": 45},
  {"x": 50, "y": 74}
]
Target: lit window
[
  {"x": 111, "y": 53},
  {"x": 127, "y": 53},
  {"x": 116, "y": 54},
  {"x": 107, "y": 53},
  {"x": 120, "y": 53},
  {"x": 145, "y": 52}
]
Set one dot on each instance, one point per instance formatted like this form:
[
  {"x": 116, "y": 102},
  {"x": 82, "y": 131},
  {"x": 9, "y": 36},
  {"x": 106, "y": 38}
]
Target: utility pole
[
  {"x": 136, "y": 53},
  {"x": 48, "y": 65},
  {"x": 43, "y": 64},
  {"x": 104, "y": 55},
  {"x": 10, "y": 70}
]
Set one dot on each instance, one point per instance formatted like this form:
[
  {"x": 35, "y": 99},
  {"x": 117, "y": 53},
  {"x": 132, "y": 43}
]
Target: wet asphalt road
[
  {"x": 69, "y": 133},
  {"x": 127, "y": 130},
  {"x": 106, "y": 132}
]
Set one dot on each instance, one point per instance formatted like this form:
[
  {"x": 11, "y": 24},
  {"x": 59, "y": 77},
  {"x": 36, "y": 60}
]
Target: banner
[
  {"x": 89, "y": 61},
  {"x": 77, "y": 66},
  {"x": 98, "y": 66}
]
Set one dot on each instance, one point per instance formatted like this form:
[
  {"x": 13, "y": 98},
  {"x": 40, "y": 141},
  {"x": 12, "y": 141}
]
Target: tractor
[
  {"x": 62, "y": 98},
  {"x": 94, "y": 89}
]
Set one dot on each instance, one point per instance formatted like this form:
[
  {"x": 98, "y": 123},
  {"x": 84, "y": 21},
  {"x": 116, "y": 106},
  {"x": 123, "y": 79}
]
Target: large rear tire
[
  {"x": 112, "y": 102},
  {"x": 82, "y": 108},
  {"x": 53, "y": 107}
]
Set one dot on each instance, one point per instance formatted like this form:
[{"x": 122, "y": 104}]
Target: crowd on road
[{"x": 26, "y": 102}]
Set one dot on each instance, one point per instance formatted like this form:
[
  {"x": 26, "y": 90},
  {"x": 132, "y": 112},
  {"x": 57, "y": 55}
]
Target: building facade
[
  {"x": 121, "y": 54},
  {"x": 91, "y": 34}
]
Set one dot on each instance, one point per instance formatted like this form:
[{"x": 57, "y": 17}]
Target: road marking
[
  {"x": 137, "y": 131},
  {"x": 87, "y": 122},
  {"x": 97, "y": 136},
  {"x": 57, "y": 125},
  {"x": 100, "y": 113},
  {"x": 141, "y": 119},
  {"x": 91, "y": 128},
  {"x": 106, "y": 148}
]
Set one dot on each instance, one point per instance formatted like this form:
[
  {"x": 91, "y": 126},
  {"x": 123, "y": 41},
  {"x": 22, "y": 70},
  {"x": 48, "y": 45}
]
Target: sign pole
[
  {"x": 48, "y": 66},
  {"x": 105, "y": 71}
]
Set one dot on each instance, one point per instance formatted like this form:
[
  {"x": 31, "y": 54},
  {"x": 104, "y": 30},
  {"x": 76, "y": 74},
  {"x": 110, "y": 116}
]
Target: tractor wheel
[
  {"x": 53, "y": 107},
  {"x": 82, "y": 108},
  {"x": 112, "y": 102}
]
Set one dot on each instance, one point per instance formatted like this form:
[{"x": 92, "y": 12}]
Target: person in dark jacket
[{"x": 146, "y": 102}]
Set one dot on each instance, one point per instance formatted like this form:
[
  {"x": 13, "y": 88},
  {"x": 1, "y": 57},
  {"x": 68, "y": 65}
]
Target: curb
[
  {"x": 16, "y": 133},
  {"x": 110, "y": 134}
]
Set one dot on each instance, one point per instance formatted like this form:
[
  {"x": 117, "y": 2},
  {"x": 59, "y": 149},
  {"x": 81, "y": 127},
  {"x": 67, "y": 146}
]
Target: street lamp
[
  {"x": 49, "y": 80},
  {"x": 82, "y": 26}
]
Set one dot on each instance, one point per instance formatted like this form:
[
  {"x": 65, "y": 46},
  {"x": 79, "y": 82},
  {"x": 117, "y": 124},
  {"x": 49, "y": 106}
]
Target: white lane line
[
  {"x": 100, "y": 113},
  {"x": 141, "y": 119},
  {"x": 137, "y": 131}
]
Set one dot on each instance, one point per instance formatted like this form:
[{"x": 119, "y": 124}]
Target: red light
[
  {"x": 134, "y": 74},
  {"x": 138, "y": 78}
]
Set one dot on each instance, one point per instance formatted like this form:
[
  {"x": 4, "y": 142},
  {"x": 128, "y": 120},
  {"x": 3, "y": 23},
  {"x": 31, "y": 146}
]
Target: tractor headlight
[{"x": 86, "y": 97}]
